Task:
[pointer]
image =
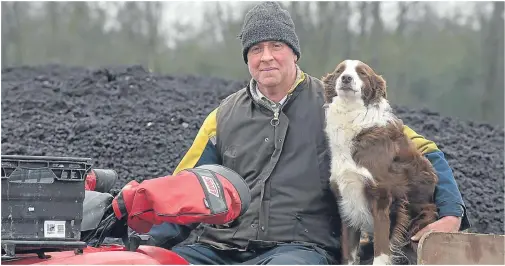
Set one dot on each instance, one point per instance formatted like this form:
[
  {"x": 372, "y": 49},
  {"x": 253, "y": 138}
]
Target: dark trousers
[{"x": 292, "y": 254}]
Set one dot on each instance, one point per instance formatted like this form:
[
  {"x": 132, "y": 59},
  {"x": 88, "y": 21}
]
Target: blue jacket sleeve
[{"x": 447, "y": 195}]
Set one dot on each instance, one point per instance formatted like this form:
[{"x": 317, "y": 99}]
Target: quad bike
[
  {"x": 100, "y": 223},
  {"x": 218, "y": 195}
]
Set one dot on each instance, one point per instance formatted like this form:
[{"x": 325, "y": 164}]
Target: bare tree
[
  {"x": 348, "y": 36},
  {"x": 299, "y": 12},
  {"x": 363, "y": 18},
  {"x": 17, "y": 30},
  {"x": 153, "y": 18},
  {"x": 52, "y": 10},
  {"x": 6, "y": 31},
  {"x": 128, "y": 18},
  {"x": 493, "y": 53},
  {"x": 328, "y": 20},
  {"x": 400, "y": 79},
  {"x": 403, "y": 9},
  {"x": 376, "y": 33}
]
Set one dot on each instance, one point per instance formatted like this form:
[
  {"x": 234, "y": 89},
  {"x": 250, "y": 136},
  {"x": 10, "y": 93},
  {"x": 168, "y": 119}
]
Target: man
[{"x": 271, "y": 133}]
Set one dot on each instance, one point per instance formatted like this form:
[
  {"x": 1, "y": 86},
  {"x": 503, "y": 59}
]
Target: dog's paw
[
  {"x": 354, "y": 257},
  {"x": 382, "y": 259},
  {"x": 353, "y": 262}
]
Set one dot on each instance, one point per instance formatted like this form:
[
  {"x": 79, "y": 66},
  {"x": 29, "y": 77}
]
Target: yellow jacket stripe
[
  {"x": 423, "y": 145},
  {"x": 203, "y": 148}
]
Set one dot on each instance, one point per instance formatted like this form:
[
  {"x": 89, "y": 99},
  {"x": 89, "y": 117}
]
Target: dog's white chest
[{"x": 350, "y": 177}]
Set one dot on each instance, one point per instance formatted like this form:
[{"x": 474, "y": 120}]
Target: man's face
[{"x": 271, "y": 63}]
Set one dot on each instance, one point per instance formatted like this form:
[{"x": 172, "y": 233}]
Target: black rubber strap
[
  {"x": 121, "y": 205},
  {"x": 236, "y": 180},
  {"x": 213, "y": 190}
]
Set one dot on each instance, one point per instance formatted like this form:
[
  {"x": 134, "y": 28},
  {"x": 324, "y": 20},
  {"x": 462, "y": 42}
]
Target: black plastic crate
[{"x": 42, "y": 198}]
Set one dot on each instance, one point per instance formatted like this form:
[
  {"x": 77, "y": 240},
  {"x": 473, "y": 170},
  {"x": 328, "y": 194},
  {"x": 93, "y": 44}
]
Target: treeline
[{"x": 453, "y": 64}]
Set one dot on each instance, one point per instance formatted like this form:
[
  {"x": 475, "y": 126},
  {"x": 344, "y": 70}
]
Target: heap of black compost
[{"x": 141, "y": 124}]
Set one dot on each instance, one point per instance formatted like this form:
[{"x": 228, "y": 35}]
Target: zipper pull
[{"x": 275, "y": 121}]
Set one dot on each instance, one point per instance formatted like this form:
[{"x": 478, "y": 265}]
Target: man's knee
[
  {"x": 200, "y": 254},
  {"x": 297, "y": 256}
]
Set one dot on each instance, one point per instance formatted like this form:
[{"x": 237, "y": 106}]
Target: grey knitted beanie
[{"x": 268, "y": 22}]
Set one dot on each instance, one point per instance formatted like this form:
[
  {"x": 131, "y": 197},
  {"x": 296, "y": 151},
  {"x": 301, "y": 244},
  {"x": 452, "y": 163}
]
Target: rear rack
[
  {"x": 13, "y": 247},
  {"x": 42, "y": 203}
]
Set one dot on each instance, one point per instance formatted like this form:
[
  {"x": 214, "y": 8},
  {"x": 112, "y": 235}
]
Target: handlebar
[
  {"x": 108, "y": 225},
  {"x": 103, "y": 229}
]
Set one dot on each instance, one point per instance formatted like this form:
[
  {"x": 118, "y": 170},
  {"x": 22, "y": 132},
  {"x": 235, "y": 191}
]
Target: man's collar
[
  {"x": 257, "y": 95},
  {"x": 261, "y": 96}
]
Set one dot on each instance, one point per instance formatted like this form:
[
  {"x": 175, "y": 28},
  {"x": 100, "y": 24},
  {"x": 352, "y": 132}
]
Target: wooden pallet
[{"x": 437, "y": 248}]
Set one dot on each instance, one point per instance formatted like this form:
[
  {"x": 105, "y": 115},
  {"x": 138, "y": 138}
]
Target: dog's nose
[{"x": 346, "y": 79}]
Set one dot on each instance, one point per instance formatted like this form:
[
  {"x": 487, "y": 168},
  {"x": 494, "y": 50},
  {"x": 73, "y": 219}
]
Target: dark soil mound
[{"x": 140, "y": 124}]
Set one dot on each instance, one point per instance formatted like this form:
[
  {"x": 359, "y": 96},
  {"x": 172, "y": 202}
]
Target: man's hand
[{"x": 445, "y": 224}]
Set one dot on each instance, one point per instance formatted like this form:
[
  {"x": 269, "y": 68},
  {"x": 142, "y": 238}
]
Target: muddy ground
[{"x": 140, "y": 124}]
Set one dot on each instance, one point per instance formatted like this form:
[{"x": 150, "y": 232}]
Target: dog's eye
[{"x": 362, "y": 73}]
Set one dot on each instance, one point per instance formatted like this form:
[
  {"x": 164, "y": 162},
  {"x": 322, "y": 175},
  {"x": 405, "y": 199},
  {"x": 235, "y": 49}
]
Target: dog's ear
[
  {"x": 374, "y": 90},
  {"x": 329, "y": 83},
  {"x": 380, "y": 86}
]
